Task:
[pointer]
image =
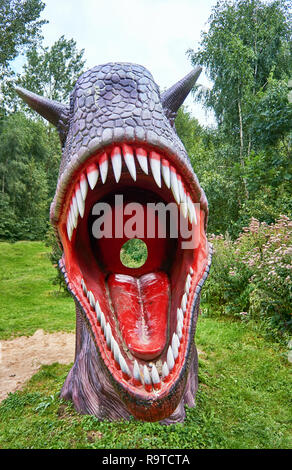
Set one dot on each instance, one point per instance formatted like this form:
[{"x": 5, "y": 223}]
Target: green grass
[
  {"x": 28, "y": 299},
  {"x": 243, "y": 401}
]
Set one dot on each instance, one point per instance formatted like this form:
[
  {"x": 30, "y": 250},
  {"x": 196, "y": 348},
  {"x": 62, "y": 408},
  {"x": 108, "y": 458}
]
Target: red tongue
[{"x": 141, "y": 307}]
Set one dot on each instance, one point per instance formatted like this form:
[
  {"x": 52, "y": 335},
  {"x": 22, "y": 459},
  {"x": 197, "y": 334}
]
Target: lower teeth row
[{"x": 151, "y": 378}]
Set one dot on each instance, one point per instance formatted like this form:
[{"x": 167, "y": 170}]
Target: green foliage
[
  {"x": 52, "y": 72},
  {"x": 251, "y": 276},
  {"x": 19, "y": 27},
  {"x": 134, "y": 253},
  {"x": 27, "y": 165}
]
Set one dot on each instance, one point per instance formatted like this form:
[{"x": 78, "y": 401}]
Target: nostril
[{"x": 134, "y": 253}]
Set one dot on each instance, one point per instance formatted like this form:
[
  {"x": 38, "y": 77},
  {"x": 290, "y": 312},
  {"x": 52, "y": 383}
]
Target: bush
[{"x": 251, "y": 276}]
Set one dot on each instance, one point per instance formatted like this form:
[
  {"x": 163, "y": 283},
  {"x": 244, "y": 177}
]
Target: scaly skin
[{"x": 112, "y": 105}]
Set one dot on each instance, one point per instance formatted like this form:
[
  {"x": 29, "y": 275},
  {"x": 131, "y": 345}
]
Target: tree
[
  {"x": 52, "y": 72},
  {"x": 19, "y": 28},
  {"x": 25, "y": 153},
  {"x": 248, "y": 41}
]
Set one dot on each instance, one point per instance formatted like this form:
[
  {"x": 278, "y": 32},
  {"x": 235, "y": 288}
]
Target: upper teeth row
[
  {"x": 159, "y": 166},
  {"x": 152, "y": 377}
]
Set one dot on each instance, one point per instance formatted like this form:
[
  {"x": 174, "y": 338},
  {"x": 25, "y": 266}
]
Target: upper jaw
[{"x": 176, "y": 156}]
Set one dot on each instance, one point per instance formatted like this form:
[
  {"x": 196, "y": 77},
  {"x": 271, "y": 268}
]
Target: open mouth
[{"x": 141, "y": 319}]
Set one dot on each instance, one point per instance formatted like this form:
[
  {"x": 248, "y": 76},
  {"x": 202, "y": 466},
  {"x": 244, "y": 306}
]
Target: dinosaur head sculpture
[{"x": 135, "y": 351}]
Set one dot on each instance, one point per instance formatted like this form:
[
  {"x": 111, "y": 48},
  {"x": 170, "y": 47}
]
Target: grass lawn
[
  {"x": 28, "y": 299},
  {"x": 244, "y": 397}
]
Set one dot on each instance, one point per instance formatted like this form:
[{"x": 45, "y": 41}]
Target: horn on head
[
  {"x": 48, "y": 109},
  {"x": 174, "y": 97}
]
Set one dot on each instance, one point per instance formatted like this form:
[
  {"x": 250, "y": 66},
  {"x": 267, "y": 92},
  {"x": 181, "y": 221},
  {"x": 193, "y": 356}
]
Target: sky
[{"x": 153, "y": 33}]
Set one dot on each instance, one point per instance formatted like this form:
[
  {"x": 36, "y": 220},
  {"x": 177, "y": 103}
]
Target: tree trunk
[{"x": 241, "y": 148}]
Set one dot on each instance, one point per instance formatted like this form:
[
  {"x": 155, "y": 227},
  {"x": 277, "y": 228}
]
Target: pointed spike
[
  {"x": 92, "y": 175},
  {"x": 83, "y": 285},
  {"x": 165, "y": 370},
  {"x": 83, "y": 186},
  {"x": 136, "y": 372},
  {"x": 170, "y": 358},
  {"x": 116, "y": 158},
  {"x": 147, "y": 378},
  {"x": 174, "y": 97},
  {"x": 108, "y": 335},
  {"x": 174, "y": 346},
  {"x": 129, "y": 160},
  {"x": 179, "y": 330},
  {"x": 141, "y": 155},
  {"x": 49, "y": 109},
  {"x": 166, "y": 172},
  {"x": 154, "y": 375},
  {"x": 103, "y": 167},
  {"x": 75, "y": 207},
  {"x": 154, "y": 159},
  {"x": 80, "y": 202},
  {"x": 97, "y": 311},
  {"x": 124, "y": 366},
  {"x": 184, "y": 301},
  {"x": 102, "y": 321},
  {"x": 174, "y": 184}
]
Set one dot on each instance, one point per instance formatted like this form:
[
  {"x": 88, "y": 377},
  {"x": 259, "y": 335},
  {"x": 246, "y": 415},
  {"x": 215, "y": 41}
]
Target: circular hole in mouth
[{"x": 134, "y": 253}]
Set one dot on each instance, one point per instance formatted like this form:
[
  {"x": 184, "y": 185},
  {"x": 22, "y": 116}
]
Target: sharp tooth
[
  {"x": 191, "y": 210},
  {"x": 180, "y": 315},
  {"x": 83, "y": 186},
  {"x": 184, "y": 302},
  {"x": 147, "y": 378},
  {"x": 80, "y": 202},
  {"x": 154, "y": 375},
  {"x": 184, "y": 209},
  {"x": 102, "y": 321},
  {"x": 165, "y": 370},
  {"x": 191, "y": 271},
  {"x": 116, "y": 159},
  {"x": 123, "y": 365},
  {"x": 73, "y": 218},
  {"x": 170, "y": 358},
  {"x": 92, "y": 175},
  {"x": 194, "y": 213},
  {"x": 136, "y": 372},
  {"x": 180, "y": 187},
  {"x": 115, "y": 349},
  {"x": 179, "y": 330},
  {"x": 83, "y": 286},
  {"x": 75, "y": 206},
  {"x": 187, "y": 286},
  {"x": 129, "y": 160},
  {"x": 177, "y": 340},
  {"x": 174, "y": 184},
  {"x": 166, "y": 172},
  {"x": 91, "y": 298},
  {"x": 69, "y": 229},
  {"x": 103, "y": 167},
  {"x": 154, "y": 159},
  {"x": 174, "y": 346},
  {"x": 97, "y": 311},
  {"x": 108, "y": 334},
  {"x": 141, "y": 155}
]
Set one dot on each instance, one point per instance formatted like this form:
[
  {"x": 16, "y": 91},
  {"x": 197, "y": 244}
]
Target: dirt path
[{"x": 21, "y": 357}]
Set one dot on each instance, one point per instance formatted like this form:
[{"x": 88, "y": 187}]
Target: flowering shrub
[{"x": 251, "y": 276}]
